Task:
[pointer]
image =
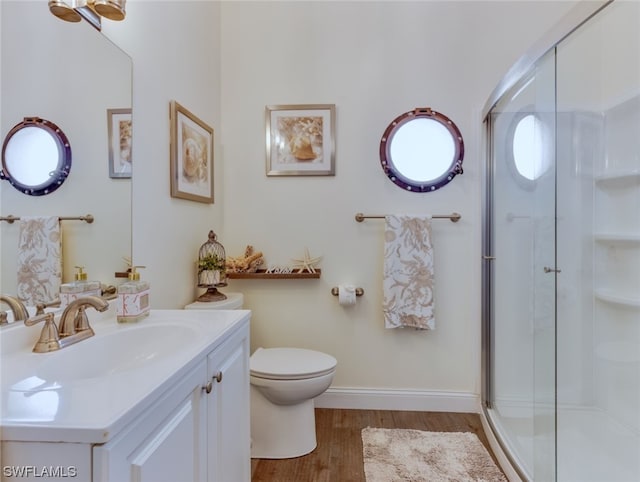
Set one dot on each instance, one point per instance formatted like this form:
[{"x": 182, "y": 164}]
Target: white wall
[{"x": 374, "y": 60}]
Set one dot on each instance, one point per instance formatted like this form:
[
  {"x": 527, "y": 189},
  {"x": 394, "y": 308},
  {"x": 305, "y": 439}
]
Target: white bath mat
[{"x": 400, "y": 455}]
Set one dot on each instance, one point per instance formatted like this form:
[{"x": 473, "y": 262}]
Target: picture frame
[
  {"x": 191, "y": 162},
  {"x": 300, "y": 140},
  {"x": 119, "y": 129}
]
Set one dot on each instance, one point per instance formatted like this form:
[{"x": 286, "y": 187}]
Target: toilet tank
[{"x": 234, "y": 301}]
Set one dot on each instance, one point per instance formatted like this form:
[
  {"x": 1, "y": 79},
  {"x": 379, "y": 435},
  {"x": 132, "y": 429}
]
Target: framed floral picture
[
  {"x": 300, "y": 140},
  {"x": 119, "y": 132},
  {"x": 191, "y": 156}
]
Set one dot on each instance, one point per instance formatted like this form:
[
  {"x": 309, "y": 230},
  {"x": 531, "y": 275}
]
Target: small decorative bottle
[
  {"x": 133, "y": 298},
  {"x": 79, "y": 288}
]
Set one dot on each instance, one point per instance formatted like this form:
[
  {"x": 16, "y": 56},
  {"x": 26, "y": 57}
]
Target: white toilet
[{"x": 284, "y": 382}]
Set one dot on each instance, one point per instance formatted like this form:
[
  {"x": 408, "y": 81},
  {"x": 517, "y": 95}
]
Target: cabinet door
[
  {"x": 168, "y": 443},
  {"x": 228, "y": 411},
  {"x": 172, "y": 452}
]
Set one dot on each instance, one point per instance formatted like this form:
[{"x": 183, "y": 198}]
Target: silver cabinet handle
[
  {"x": 551, "y": 270},
  {"x": 208, "y": 387},
  {"x": 489, "y": 258},
  {"x": 217, "y": 377}
]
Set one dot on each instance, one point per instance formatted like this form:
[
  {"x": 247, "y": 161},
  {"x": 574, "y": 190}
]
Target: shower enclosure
[{"x": 561, "y": 268}]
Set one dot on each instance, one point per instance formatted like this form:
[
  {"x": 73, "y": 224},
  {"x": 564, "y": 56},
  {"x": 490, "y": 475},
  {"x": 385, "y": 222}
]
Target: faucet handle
[
  {"x": 34, "y": 320},
  {"x": 49, "y": 339},
  {"x": 40, "y": 307}
]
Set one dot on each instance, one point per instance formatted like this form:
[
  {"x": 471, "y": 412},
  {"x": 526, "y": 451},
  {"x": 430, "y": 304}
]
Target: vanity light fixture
[
  {"x": 90, "y": 10},
  {"x": 111, "y": 9}
]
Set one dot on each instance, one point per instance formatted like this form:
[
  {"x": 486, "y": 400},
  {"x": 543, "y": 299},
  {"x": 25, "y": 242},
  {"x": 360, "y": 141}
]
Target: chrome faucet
[
  {"x": 73, "y": 326},
  {"x": 17, "y": 307},
  {"x": 74, "y": 319}
]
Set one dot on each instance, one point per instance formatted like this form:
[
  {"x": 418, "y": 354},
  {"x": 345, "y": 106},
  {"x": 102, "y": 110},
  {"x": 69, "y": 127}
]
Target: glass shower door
[
  {"x": 598, "y": 329},
  {"x": 520, "y": 257}
]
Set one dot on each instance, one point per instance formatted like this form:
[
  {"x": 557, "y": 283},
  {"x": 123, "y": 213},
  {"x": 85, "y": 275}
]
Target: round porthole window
[
  {"x": 530, "y": 147},
  {"x": 36, "y": 157},
  {"x": 421, "y": 150}
]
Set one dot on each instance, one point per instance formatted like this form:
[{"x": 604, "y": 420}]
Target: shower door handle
[{"x": 551, "y": 270}]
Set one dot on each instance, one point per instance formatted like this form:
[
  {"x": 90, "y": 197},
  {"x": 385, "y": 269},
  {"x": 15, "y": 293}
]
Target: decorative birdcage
[{"x": 212, "y": 273}]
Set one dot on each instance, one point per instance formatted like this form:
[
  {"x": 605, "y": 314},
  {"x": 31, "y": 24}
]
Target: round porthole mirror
[
  {"x": 421, "y": 150},
  {"x": 36, "y": 157}
]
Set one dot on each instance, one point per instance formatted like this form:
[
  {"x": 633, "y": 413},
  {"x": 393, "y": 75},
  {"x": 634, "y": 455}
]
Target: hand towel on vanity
[
  {"x": 39, "y": 259},
  {"x": 408, "y": 279}
]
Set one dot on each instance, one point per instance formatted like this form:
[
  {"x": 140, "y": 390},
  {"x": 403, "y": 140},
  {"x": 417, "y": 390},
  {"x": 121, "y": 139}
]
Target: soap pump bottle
[
  {"x": 79, "y": 288},
  {"x": 133, "y": 298}
]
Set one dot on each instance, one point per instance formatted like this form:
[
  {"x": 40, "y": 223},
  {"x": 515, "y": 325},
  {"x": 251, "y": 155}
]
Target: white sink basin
[
  {"x": 108, "y": 354},
  {"x": 88, "y": 391}
]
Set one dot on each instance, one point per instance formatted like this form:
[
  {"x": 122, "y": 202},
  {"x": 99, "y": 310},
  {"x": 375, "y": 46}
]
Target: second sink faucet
[{"x": 20, "y": 312}]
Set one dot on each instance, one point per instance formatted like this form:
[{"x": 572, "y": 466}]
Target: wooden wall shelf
[{"x": 261, "y": 274}]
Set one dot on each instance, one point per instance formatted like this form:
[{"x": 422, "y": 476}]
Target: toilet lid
[{"x": 290, "y": 363}]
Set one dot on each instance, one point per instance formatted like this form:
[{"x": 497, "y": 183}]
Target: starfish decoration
[{"x": 307, "y": 263}]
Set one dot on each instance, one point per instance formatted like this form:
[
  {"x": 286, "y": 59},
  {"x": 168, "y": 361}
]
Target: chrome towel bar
[
  {"x": 454, "y": 217},
  {"x": 88, "y": 218}
]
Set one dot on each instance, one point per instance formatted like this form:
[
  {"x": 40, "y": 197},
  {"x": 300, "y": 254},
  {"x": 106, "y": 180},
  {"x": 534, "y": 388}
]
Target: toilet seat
[{"x": 290, "y": 364}]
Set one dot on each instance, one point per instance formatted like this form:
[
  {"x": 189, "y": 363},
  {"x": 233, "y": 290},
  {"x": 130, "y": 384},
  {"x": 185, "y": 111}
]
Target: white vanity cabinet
[
  {"x": 229, "y": 457},
  {"x": 164, "y": 399},
  {"x": 197, "y": 431}
]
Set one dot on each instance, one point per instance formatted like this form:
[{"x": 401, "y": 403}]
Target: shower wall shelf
[
  {"x": 618, "y": 238},
  {"x": 262, "y": 274},
  {"x": 618, "y": 178},
  {"x": 616, "y": 299}
]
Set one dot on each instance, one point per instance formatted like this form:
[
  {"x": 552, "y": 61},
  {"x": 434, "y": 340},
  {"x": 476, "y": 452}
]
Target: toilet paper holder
[{"x": 335, "y": 291}]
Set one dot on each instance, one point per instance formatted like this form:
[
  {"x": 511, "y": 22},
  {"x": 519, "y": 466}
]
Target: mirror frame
[
  {"x": 397, "y": 177},
  {"x": 57, "y": 176}
]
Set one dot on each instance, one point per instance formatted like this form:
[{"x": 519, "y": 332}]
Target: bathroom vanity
[{"x": 164, "y": 399}]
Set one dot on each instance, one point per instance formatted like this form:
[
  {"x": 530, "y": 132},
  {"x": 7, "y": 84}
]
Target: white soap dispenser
[
  {"x": 133, "y": 298},
  {"x": 79, "y": 288}
]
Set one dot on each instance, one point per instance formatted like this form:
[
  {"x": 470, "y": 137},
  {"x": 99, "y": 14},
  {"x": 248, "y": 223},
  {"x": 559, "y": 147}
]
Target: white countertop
[{"x": 91, "y": 409}]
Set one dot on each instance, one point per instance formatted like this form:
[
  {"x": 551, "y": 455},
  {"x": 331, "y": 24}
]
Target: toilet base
[{"x": 281, "y": 431}]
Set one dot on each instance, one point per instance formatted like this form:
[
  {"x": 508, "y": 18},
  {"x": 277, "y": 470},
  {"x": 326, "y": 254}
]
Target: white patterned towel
[
  {"x": 408, "y": 273},
  {"x": 39, "y": 259}
]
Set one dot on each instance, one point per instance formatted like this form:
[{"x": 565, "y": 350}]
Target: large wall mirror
[{"x": 73, "y": 76}]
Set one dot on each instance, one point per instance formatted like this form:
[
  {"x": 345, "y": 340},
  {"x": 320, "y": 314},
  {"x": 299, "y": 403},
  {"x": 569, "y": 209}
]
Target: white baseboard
[{"x": 394, "y": 399}]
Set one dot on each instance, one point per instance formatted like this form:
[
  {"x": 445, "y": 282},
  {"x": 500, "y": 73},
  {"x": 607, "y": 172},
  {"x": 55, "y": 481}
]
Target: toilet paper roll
[{"x": 346, "y": 295}]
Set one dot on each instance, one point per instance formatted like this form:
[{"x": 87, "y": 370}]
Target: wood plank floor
[{"x": 338, "y": 456}]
